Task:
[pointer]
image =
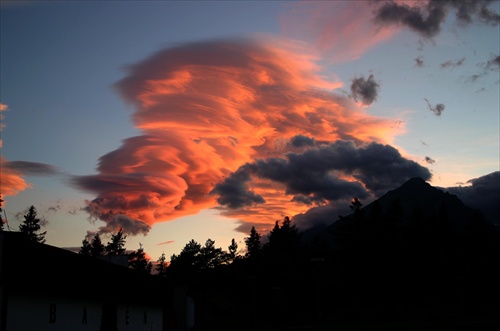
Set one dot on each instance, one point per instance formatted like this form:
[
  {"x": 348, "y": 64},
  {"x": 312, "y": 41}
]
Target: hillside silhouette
[{"x": 415, "y": 255}]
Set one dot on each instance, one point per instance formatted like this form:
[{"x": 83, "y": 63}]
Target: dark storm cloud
[
  {"x": 32, "y": 168},
  {"x": 429, "y": 160},
  {"x": 437, "y": 109},
  {"x": 314, "y": 175},
  {"x": 365, "y": 90},
  {"x": 483, "y": 194},
  {"x": 452, "y": 64},
  {"x": 234, "y": 192},
  {"x": 427, "y": 18},
  {"x": 301, "y": 141}
]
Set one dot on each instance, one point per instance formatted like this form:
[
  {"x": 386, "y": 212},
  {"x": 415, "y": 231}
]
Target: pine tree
[
  {"x": 232, "y": 250},
  {"x": 210, "y": 256},
  {"x": 161, "y": 267},
  {"x": 97, "y": 247},
  {"x": 117, "y": 244},
  {"x": 137, "y": 260},
  {"x": 86, "y": 248},
  {"x": 31, "y": 225},
  {"x": 253, "y": 244}
]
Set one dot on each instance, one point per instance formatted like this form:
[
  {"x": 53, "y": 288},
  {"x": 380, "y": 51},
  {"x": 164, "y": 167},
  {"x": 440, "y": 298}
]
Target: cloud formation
[
  {"x": 341, "y": 30},
  {"x": 429, "y": 160},
  {"x": 437, "y": 109},
  {"x": 13, "y": 172},
  {"x": 483, "y": 194},
  {"x": 427, "y": 17},
  {"x": 32, "y": 168},
  {"x": 319, "y": 176},
  {"x": 206, "y": 109},
  {"x": 365, "y": 90},
  {"x": 452, "y": 64}
]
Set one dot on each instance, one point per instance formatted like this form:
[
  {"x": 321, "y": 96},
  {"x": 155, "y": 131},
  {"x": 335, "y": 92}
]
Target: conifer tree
[
  {"x": 137, "y": 260},
  {"x": 232, "y": 250},
  {"x": 86, "y": 248},
  {"x": 161, "y": 267},
  {"x": 97, "y": 247},
  {"x": 31, "y": 225},
  {"x": 210, "y": 256},
  {"x": 117, "y": 244},
  {"x": 253, "y": 244}
]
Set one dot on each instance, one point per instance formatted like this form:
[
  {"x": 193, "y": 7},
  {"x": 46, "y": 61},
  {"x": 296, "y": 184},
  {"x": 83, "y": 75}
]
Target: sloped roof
[{"x": 43, "y": 269}]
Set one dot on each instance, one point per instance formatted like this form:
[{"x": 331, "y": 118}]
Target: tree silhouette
[
  {"x": 97, "y": 247},
  {"x": 117, "y": 244},
  {"x": 31, "y": 225},
  {"x": 232, "y": 251},
  {"x": 187, "y": 262},
  {"x": 1, "y": 212},
  {"x": 161, "y": 267},
  {"x": 210, "y": 256},
  {"x": 86, "y": 248},
  {"x": 137, "y": 260},
  {"x": 284, "y": 239},
  {"x": 253, "y": 244}
]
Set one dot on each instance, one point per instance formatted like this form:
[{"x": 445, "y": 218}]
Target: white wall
[
  {"x": 29, "y": 313},
  {"x": 139, "y": 318}
]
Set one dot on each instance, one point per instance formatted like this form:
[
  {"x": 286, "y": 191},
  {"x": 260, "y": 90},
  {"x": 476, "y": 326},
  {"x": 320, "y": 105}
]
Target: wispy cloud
[
  {"x": 452, "y": 64},
  {"x": 341, "y": 30},
  {"x": 166, "y": 242}
]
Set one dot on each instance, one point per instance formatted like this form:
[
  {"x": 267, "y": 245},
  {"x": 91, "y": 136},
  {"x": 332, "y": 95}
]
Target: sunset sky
[{"x": 195, "y": 120}]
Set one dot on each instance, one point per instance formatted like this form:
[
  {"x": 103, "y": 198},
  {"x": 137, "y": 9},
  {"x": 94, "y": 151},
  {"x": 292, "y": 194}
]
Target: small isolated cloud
[
  {"x": 437, "y": 109},
  {"x": 166, "y": 242},
  {"x": 365, "y": 90},
  {"x": 452, "y": 64},
  {"x": 419, "y": 61},
  {"x": 427, "y": 17},
  {"x": 429, "y": 160}
]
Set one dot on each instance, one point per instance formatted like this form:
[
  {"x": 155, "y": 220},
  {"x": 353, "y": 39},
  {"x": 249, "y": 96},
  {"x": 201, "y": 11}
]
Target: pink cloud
[{"x": 341, "y": 30}]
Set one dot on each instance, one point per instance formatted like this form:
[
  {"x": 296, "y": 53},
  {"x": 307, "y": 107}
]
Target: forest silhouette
[{"x": 416, "y": 255}]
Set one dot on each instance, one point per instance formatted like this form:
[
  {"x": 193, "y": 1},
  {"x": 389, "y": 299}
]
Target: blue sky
[{"x": 63, "y": 110}]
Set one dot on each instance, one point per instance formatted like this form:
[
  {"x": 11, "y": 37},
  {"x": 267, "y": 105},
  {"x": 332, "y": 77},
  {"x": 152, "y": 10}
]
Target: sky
[{"x": 180, "y": 120}]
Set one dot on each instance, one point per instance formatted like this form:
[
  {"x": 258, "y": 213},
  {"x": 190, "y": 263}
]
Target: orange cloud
[
  {"x": 12, "y": 180},
  {"x": 341, "y": 30},
  {"x": 207, "y": 108}
]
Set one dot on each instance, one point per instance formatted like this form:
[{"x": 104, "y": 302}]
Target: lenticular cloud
[{"x": 206, "y": 109}]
